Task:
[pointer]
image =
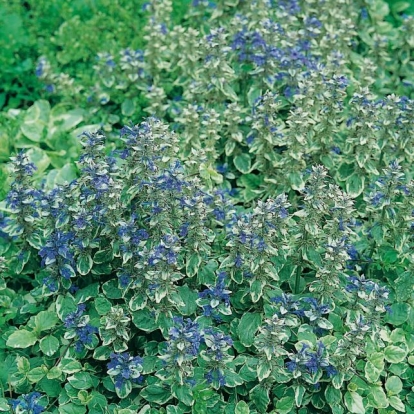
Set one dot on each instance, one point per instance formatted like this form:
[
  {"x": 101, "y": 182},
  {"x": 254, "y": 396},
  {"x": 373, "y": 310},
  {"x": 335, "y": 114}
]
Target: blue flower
[
  {"x": 364, "y": 13},
  {"x": 222, "y": 168},
  {"x": 214, "y": 375},
  {"x": 288, "y": 305},
  {"x": 184, "y": 341},
  {"x": 216, "y": 294},
  {"x": 50, "y": 88},
  {"x": 331, "y": 371},
  {"x": 124, "y": 367},
  {"x": 73, "y": 319},
  {"x": 238, "y": 261},
  {"x": 124, "y": 279},
  {"x": 57, "y": 247},
  {"x": 28, "y": 403},
  {"x": 51, "y": 284},
  {"x": 85, "y": 336},
  {"x": 316, "y": 310},
  {"x": 78, "y": 322},
  {"x": 291, "y": 366}
]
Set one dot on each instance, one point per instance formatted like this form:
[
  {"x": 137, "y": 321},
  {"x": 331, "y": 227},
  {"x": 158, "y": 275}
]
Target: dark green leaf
[
  {"x": 156, "y": 393},
  {"x": 243, "y": 163},
  {"x": 49, "y": 345},
  {"x": 248, "y": 326}
]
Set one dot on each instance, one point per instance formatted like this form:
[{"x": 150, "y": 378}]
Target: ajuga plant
[
  {"x": 261, "y": 90},
  {"x": 134, "y": 289}
]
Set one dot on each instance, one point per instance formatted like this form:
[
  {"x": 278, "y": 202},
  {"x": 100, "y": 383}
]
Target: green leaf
[
  {"x": 66, "y": 121},
  {"x": 354, "y": 403},
  {"x": 64, "y": 306},
  {"x": 33, "y": 130},
  {"x": 260, "y": 397},
  {"x": 144, "y": 320},
  {"x": 394, "y": 354},
  {"x": 23, "y": 364},
  {"x": 264, "y": 368},
  {"x": 393, "y": 385},
  {"x": 285, "y": 405},
  {"x": 355, "y": 185},
  {"x": 124, "y": 390},
  {"x": 396, "y": 403},
  {"x": 251, "y": 181},
  {"x": 80, "y": 381},
  {"x": 83, "y": 397},
  {"x": 403, "y": 286},
  {"x": 206, "y": 275},
  {"x": 21, "y": 339},
  {"x": 248, "y": 326},
  {"x": 156, "y": 393},
  {"x": 111, "y": 289},
  {"x": 36, "y": 374},
  {"x": 300, "y": 391},
  {"x": 332, "y": 395},
  {"x": 387, "y": 254},
  {"x": 189, "y": 298},
  {"x": 242, "y": 408},
  {"x": 230, "y": 146},
  {"x": 183, "y": 394},
  {"x": 72, "y": 409},
  {"x": 50, "y": 387},
  {"x": 45, "y": 320},
  {"x": 232, "y": 379},
  {"x": 317, "y": 400},
  {"x": 54, "y": 372},
  {"x": 192, "y": 264},
  {"x": 296, "y": 180},
  {"x": 103, "y": 256},
  {"x": 49, "y": 345},
  {"x": 256, "y": 289},
  {"x": 66, "y": 174},
  {"x": 70, "y": 365},
  {"x": 253, "y": 94},
  {"x": 84, "y": 264},
  {"x": 371, "y": 372},
  {"x": 4, "y": 406},
  {"x": 138, "y": 301},
  {"x": 377, "y": 397},
  {"x": 102, "y": 353},
  {"x": 345, "y": 170},
  {"x": 102, "y": 305},
  {"x": 229, "y": 92},
  {"x": 377, "y": 359},
  {"x": 128, "y": 107},
  {"x": 90, "y": 291},
  {"x": 98, "y": 400},
  {"x": 243, "y": 163},
  {"x": 398, "y": 313}
]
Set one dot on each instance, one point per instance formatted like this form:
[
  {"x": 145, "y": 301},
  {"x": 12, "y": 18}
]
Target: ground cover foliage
[{"x": 208, "y": 208}]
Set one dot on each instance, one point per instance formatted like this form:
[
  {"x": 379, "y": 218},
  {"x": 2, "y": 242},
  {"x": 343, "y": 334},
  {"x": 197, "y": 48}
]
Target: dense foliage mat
[
  {"x": 209, "y": 207},
  {"x": 145, "y": 290}
]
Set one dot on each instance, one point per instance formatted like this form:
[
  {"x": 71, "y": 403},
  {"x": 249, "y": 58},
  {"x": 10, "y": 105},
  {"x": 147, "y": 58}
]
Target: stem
[
  {"x": 381, "y": 158},
  {"x": 298, "y": 273},
  {"x": 374, "y": 245},
  {"x": 299, "y": 268}
]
